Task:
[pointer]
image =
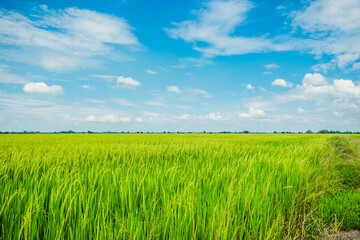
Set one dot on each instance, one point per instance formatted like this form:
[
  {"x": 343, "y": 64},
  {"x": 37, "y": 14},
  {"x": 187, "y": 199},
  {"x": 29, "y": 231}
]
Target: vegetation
[
  {"x": 342, "y": 205},
  {"x": 176, "y": 186}
]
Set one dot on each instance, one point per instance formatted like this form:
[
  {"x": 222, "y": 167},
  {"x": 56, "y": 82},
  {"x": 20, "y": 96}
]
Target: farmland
[{"x": 177, "y": 186}]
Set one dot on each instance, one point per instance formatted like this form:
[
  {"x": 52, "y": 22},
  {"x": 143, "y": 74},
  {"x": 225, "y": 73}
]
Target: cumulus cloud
[
  {"x": 111, "y": 118},
  {"x": 126, "y": 82},
  {"x": 250, "y": 87},
  {"x": 314, "y": 79},
  {"x": 43, "y": 88},
  {"x": 62, "y": 40},
  {"x": 339, "y": 88},
  {"x": 281, "y": 83},
  {"x": 253, "y": 112},
  {"x": 174, "y": 89},
  {"x": 316, "y": 87}
]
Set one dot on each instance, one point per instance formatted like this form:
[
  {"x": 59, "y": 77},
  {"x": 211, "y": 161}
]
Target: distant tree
[
  {"x": 323, "y": 131},
  {"x": 246, "y": 131},
  {"x": 309, "y": 131}
]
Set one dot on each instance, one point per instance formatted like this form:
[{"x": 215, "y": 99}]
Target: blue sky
[{"x": 137, "y": 65}]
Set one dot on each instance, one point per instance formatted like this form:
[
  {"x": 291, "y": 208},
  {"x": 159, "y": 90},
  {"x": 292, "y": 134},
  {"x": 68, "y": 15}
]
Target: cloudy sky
[{"x": 216, "y": 65}]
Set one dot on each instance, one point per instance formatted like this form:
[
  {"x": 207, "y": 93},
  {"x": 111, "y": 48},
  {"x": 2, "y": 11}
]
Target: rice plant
[{"x": 161, "y": 186}]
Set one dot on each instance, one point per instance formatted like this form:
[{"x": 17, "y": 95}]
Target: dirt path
[{"x": 342, "y": 235}]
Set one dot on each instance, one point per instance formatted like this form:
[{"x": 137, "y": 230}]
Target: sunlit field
[{"x": 169, "y": 186}]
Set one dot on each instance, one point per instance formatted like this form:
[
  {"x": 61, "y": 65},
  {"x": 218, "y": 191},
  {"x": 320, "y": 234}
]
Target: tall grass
[{"x": 193, "y": 186}]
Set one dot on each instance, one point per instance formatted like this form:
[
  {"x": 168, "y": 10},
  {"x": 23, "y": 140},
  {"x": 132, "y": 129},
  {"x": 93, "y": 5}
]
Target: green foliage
[
  {"x": 343, "y": 207},
  {"x": 172, "y": 186}
]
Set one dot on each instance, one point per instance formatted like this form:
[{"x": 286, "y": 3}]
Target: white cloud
[
  {"x": 262, "y": 89},
  {"x": 152, "y": 118},
  {"x": 193, "y": 92},
  {"x": 196, "y": 62},
  {"x": 96, "y": 101},
  {"x": 315, "y": 79},
  {"x": 250, "y": 87},
  {"x": 184, "y": 117},
  {"x": 324, "y": 67},
  {"x": 281, "y": 83},
  {"x": 215, "y": 25},
  {"x": 300, "y": 110},
  {"x": 87, "y": 87},
  {"x": 346, "y": 88},
  {"x": 330, "y": 15},
  {"x": 150, "y": 71},
  {"x": 324, "y": 27},
  {"x": 25, "y": 112},
  {"x": 192, "y": 62},
  {"x": 123, "y": 102},
  {"x": 215, "y": 116},
  {"x": 29, "y": 112},
  {"x": 139, "y": 119},
  {"x": 112, "y": 118},
  {"x": 154, "y": 103},
  {"x": 61, "y": 40},
  {"x": 253, "y": 112},
  {"x": 174, "y": 89},
  {"x": 126, "y": 82},
  {"x": 334, "y": 29},
  {"x": 108, "y": 78},
  {"x": 6, "y": 77},
  {"x": 43, "y": 88},
  {"x": 356, "y": 66},
  {"x": 271, "y": 66},
  {"x": 59, "y": 62},
  {"x": 317, "y": 87}
]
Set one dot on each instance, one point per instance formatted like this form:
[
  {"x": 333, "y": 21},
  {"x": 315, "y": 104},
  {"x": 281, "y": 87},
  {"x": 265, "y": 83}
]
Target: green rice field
[{"x": 178, "y": 186}]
